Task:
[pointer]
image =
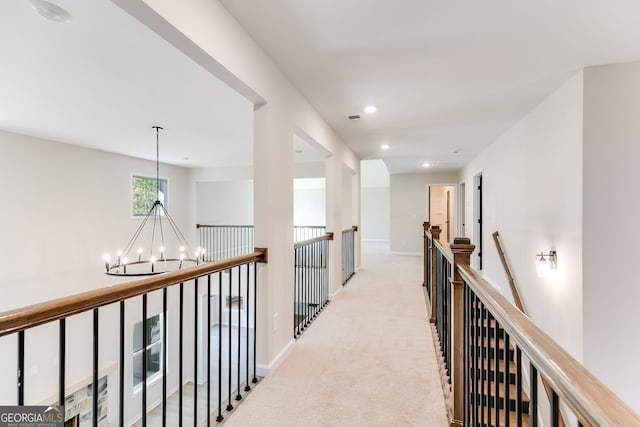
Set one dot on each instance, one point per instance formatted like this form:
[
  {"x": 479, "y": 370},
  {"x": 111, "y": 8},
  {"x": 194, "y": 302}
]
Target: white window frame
[
  {"x": 137, "y": 388},
  {"x": 165, "y": 202}
]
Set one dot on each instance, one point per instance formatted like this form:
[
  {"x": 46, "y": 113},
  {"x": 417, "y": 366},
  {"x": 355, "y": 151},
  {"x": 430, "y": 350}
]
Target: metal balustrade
[
  {"x": 226, "y": 241},
  {"x": 214, "y": 348},
  {"x": 311, "y": 280},
  {"x": 443, "y": 310},
  {"x": 348, "y": 254},
  {"x": 306, "y": 232}
]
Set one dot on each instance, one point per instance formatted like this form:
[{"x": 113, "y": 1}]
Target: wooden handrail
[
  {"x": 507, "y": 271},
  {"x": 223, "y": 226},
  {"x": 445, "y": 249},
  {"x": 518, "y": 302},
  {"x": 34, "y": 315},
  {"x": 325, "y": 236},
  {"x": 353, "y": 228},
  {"x": 592, "y": 402}
]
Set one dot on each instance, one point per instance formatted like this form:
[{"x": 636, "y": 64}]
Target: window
[
  {"x": 154, "y": 349},
  {"x": 144, "y": 194}
]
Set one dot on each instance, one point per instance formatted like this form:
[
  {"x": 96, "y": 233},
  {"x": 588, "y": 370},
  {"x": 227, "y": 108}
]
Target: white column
[
  {"x": 355, "y": 212},
  {"x": 273, "y": 220},
  {"x": 334, "y": 221}
]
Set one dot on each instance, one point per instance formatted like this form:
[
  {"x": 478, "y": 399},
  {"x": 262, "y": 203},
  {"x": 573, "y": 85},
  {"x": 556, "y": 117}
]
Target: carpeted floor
[{"x": 367, "y": 360}]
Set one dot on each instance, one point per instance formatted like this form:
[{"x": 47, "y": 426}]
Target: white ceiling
[
  {"x": 445, "y": 75},
  {"x": 305, "y": 150},
  {"x": 103, "y": 79}
]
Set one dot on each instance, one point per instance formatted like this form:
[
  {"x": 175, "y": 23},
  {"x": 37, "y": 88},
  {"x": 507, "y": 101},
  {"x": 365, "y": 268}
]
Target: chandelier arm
[
  {"x": 176, "y": 230},
  {"x": 133, "y": 239},
  {"x": 159, "y": 215},
  {"x": 153, "y": 232}
]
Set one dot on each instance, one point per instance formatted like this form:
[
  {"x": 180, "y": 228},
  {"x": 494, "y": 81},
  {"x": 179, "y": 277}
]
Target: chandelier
[{"x": 161, "y": 232}]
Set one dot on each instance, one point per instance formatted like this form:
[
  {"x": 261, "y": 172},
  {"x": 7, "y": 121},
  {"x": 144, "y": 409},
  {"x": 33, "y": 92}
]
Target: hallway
[{"x": 367, "y": 360}]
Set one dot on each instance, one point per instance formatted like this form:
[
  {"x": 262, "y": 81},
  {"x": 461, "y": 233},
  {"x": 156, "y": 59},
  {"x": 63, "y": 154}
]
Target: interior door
[
  {"x": 448, "y": 220},
  {"x": 477, "y": 226},
  {"x": 441, "y": 210}
]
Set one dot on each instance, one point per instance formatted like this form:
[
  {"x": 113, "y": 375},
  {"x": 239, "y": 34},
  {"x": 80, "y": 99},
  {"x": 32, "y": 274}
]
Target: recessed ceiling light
[
  {"x": 299, "y": 151},
  {"x": 456, "y": 151},
  {"x": 50, "y": 11},
  {"x": 185, "y": 158},
  {"x": 370, "y": 109},
  {"x": 426, "y": 165},
  {"x": 385, "y": 146}
]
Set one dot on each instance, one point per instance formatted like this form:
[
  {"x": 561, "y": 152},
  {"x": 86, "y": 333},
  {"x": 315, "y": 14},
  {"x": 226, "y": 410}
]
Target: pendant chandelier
[{"x": 160, "y": 232}]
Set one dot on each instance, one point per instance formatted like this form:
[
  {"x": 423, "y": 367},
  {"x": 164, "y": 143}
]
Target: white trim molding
[
  {"x": 407, "y": 253},
  {"x": 265, "y": 371},
  {"x": 333, "y": 295}
]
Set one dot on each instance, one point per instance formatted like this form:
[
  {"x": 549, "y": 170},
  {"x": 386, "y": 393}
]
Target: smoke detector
[{"x": 50, "y": 11}]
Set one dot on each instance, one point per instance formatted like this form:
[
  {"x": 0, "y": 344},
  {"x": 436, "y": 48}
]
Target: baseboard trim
[
  {"x": 333, "y": 296},
  {"x": 265, "y": 371},
  {"x": 407, "y": 253}
]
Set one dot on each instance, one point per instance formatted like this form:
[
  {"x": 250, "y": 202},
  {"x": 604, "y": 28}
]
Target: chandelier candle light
[{"x": 157, "y": 261}]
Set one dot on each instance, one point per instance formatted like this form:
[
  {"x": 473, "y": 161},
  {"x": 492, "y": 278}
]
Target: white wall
[
  {"x": 309, "y": 170},
  {"x": 610, "y": 208},
  {"x": 347, "y": 214},
  {"x": 65, "y": 207},
  {"x": 309, "y": 206},
  {"x": 408, "y": 199},
  {"x": 375, "y": 200},
  {"x": 224, "y": 202},
  {"x": 532, "y": 194},
  {"x": 375, "y": 214}
]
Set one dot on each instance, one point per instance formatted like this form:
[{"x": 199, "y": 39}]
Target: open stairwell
[
  {"x": 501, "y": 368},
  {"x": 493, "y": 376}
]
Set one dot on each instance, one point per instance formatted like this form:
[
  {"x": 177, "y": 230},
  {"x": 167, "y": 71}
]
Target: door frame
[
  {"x": 478, "y": 185},
  {"x": 462, "y": 208},
  {"x": 454, "y": 208}
]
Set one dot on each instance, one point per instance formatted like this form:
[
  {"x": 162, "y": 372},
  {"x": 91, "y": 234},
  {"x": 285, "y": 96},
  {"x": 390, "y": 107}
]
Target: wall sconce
[{"x": 546, "y": 262}]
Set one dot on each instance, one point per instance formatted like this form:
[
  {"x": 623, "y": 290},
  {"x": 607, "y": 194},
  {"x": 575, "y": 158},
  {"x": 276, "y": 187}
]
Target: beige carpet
[{"x": 367, "y": 360}]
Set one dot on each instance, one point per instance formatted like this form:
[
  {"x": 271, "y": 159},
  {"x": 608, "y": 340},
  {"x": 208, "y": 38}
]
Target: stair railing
[
  {"x": 518, "y": 302},
  {"x": 590, "y": 401},
  {"x": 487, "y": 344}
]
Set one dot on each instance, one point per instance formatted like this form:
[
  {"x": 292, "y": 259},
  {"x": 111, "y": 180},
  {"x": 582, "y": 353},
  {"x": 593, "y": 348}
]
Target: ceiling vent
[{"x": 354, "y": 117}]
